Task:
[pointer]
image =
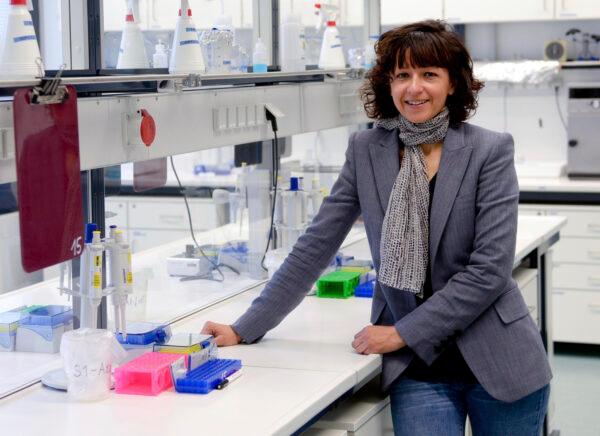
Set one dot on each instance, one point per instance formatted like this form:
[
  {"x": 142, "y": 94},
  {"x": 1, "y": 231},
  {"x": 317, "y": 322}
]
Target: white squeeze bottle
[
  {"x": 259, "y": 57},
  {"x": 160, "y": 59},
  {"x": 291, "y": 50},
  {"x": 332, "y": 54}
]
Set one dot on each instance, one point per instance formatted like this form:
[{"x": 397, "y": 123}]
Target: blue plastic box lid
[
  {"x": 145, "y": 333},
  {"x": 365, "y": 290},
  {"x": 52, "y": 315}
]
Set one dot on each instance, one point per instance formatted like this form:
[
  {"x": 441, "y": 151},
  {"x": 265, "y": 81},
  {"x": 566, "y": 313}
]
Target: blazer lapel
[
  {"x": 385, "y": 163},
  {"x": 453, "y": 164}
]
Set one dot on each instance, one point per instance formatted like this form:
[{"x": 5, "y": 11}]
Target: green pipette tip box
[{"x": 338, "y": 284}]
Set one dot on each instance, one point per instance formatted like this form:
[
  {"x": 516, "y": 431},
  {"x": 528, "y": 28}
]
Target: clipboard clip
[{"x": 49, "y": 91}]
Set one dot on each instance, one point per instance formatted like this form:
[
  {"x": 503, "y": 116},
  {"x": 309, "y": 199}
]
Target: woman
[{"x": 439, "y": 200}]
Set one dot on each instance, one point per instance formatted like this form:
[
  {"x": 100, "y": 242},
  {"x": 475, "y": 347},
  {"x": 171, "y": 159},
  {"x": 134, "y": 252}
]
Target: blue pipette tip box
[
  {"x": 365, "y": 290},
  {"x": 145, "y": 333},
  {"x": 207, "y": 376}
]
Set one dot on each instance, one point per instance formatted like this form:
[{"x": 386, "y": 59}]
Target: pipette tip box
[
  {"x": 9, "y": 321},
  {"x": 338, "y": 284},
  {"x": 148, "y": 374},
  {"x": 207, "y": 376},
  {"x": 40, "y": 330},
  {"x": 145, "y": 333}
]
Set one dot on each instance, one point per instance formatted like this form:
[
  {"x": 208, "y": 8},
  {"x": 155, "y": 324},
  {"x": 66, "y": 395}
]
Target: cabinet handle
[
  {"x": 594, "y": 281},
  {"x": 594, "y": 308},
  {"x": 544, "y": 8},
  {"x": 558, "y": 292},
  {"x": 531, "y": 308},
  {"x": 594, "y": 228},
  {"x": 594, "y": 254}
]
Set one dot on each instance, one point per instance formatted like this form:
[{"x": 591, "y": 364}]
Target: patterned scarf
[{"x": 405, "y": 235}]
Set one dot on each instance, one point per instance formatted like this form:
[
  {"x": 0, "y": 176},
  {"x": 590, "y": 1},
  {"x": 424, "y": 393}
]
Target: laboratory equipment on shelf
[
  {"x": 369, "y": 59},
  {"x": 218, "y": 44},
  {"x": 160, "y": 59},
  {"x": 332, "y": 53},
  {"x": 132, "y": 52},
  {"x": 583, "y": 153},
  {"x": 260, "y": 57},
  {"x": 19, "y": 50},
  {"x": 186, "y": 53},
  {"x": 291, "y": 42}
]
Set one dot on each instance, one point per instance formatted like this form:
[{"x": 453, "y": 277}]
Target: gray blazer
[{"x": 473, "y": 226}]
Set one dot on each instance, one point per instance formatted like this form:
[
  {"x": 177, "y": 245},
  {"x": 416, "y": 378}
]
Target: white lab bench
[{"x": 299, "y": 369}]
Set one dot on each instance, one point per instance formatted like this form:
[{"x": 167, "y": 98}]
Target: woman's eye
[
  {"x": 430, "y": 74},
  {"x": 401, "y": 75}
]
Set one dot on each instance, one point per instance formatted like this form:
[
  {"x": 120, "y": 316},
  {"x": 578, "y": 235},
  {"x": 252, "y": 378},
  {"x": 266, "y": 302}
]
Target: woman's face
[{"x": 420, "y": 94}]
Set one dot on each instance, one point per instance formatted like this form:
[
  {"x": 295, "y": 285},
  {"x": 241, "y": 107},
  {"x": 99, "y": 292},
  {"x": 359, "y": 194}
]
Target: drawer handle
[
  {"x": 594, "y": 254},
  {"x": 594, "y": 281},
  {"x": 594, "y": 228},
  {"x": 531, "y": 308},
  {"x": 594, "y": 308},
  {"x": 558, "y": 292}
]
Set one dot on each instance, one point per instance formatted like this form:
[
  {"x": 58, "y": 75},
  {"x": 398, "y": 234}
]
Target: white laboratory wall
[{"x": 405, "y": 11}]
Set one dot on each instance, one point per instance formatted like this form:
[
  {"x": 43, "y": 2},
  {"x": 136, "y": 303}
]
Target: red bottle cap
[{"x": 331, "y": 23}]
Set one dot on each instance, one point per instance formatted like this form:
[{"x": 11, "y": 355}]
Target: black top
[{"x": 450, "y": 366}]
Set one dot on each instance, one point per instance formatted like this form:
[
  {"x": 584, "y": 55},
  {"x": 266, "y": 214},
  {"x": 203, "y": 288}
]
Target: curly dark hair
[{"x": 430, "y": 43}]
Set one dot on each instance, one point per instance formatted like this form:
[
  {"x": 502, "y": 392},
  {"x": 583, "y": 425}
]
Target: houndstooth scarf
[{"x": 405, "y": 234}]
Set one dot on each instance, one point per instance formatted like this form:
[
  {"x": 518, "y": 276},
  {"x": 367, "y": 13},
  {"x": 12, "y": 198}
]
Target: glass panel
[
  {"x": 157, "y": 20},
  {"x": 171, "y": 276},
  {"x": 349, "y": 18},
  {"x": 33, "y": 313}
]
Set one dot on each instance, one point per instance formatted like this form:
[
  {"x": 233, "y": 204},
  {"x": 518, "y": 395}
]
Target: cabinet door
[
  {"x": 473, "y": 11},
  {"x": 569, "y": 9},
  {"x": 398, "y": 12}
]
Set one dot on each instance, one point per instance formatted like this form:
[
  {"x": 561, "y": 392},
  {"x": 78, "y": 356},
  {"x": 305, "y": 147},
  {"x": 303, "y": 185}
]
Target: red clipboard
[{"x": 48, "y": 180}]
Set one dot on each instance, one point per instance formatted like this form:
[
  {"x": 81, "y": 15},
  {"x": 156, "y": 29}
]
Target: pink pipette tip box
[{"x": 148, "y": 374}]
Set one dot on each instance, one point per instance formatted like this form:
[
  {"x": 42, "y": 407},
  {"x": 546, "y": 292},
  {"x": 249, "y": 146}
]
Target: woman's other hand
[
  {"x": 376, "y": 339},
  {"x": 224, "y": 335}
]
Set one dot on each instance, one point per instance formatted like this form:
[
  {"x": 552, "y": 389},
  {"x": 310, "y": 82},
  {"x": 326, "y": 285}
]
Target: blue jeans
[{"x": 423, "y": 408}]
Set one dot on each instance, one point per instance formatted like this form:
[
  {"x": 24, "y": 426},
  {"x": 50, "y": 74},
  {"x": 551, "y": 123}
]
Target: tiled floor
[{"x": 576, "y": 387}]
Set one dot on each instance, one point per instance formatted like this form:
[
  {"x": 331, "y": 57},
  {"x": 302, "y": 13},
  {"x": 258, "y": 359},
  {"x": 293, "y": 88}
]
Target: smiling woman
[
  {"x": 439, "y": 199},
  {"x": 420, "y": 50}
]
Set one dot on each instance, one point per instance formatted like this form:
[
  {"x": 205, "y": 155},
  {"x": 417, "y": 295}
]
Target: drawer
[
  {"x": 576, "y": 316},
  {"x": 576, "y": 277},
  {"x": 170, "y": 214},
  {"x": 526, "y": 278},
  {"x": 577, "y": 250},
  {"x": 116, "y": 212},
  {"x": 582, "y": 223},
  {"x": 145, "y": 239}
]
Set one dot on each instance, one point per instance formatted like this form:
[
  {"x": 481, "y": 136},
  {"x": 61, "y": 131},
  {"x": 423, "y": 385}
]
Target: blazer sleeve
[
  {"x": 310, "y": 256},
  {"x": 450, "y": 310}
]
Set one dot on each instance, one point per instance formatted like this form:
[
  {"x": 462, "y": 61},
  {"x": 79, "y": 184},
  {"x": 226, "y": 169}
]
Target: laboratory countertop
[
  {"x": 296, "y": 371},
  {"x": 559, "y": 184}
]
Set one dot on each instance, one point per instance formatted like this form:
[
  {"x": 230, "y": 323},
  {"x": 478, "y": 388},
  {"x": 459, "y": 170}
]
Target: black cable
[
  {"x": 189, "y": 215},
  {"x": 562, "y": 120},
  {"x": 275, "y": 157}
]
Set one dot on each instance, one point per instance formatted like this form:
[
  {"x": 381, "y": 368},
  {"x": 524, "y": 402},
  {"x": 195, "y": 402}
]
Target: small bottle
[
  {"x": 160, "y": 58},
  {"x": 259, "y": 57}
]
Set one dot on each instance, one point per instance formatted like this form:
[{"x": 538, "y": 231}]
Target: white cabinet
[
  {"x": 575, "y": 273},
  {"x": 153, "y": 221},
  {"x": 403, "y": 11},
  {"x": 476, "y": 11},
  {"x": 577, "y": 9}
]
